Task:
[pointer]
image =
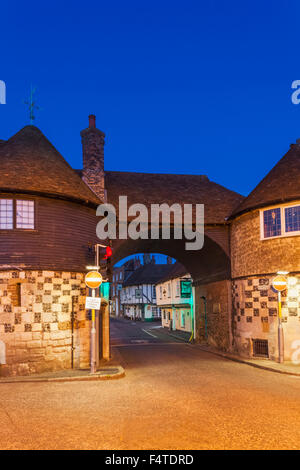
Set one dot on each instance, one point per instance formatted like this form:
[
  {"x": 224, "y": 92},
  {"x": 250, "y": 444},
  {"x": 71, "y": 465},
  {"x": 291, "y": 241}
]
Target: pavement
[
  {"x": 69, "y": 375},
  {"x": 174, "y": 396},
  {"x": 287, "y": 368}
]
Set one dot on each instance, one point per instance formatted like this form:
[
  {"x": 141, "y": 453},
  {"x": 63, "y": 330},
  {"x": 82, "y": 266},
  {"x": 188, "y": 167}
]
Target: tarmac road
[{"x": 174, "y": 396}]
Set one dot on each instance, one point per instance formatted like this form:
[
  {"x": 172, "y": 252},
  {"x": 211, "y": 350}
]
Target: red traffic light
[{"x": 108, "y": 252}]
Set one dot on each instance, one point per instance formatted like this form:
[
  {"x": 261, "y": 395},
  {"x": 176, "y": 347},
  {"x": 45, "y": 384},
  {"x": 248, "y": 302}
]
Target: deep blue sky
[{"x": 183, "y": 87}]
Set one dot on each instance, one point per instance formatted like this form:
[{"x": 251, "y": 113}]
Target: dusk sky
[{"x": 178, "y": 87}]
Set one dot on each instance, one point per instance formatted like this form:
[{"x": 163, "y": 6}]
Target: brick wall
[{"x": 36, "y": 327}]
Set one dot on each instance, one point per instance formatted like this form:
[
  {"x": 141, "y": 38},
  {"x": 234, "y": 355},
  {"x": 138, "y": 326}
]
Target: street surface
[{"x": 174, "y": 396}]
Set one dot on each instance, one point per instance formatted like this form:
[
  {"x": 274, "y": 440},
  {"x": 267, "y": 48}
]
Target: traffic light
[{"x": 104, "y": 259}]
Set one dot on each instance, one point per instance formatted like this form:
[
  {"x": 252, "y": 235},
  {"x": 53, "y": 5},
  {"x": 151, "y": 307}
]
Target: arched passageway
[{"x": 210, "y": 271}]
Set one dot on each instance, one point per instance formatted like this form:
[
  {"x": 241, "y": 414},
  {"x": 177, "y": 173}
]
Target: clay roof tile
[{"x": 30, "y": 163}]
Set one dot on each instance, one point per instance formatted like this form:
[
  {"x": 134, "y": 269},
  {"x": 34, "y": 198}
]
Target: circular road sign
[
  {"x": 93, "y": 279},
  {"x": 279, "y": 283}
]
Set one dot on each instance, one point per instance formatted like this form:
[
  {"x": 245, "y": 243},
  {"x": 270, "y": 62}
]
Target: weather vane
[{"x": 32, "y": 107}]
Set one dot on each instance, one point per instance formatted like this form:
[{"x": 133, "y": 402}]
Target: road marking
[
  {"x": 140, "y": 341},
  {"x": 149, "y": 333}
]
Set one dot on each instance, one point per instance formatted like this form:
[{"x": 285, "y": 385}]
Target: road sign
[
  {"x": 93, "y": 279},
  {"x": 93, "y": 303},
  {"x": 279, "y": 283}
]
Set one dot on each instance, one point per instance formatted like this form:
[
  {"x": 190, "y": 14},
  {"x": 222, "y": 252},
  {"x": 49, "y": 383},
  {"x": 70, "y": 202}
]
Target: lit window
[
  {"x": 272, "y": 223},
  {"x": 6, "y": 213},
  {"x": 24, "y": 214},
  {"x": 292, "y": 219}
]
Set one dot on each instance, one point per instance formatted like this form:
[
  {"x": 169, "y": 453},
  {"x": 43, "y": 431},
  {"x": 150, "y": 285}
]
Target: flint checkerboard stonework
[
  {"x": 255, "y": 303},
  {"x": 36, "y": 329}
]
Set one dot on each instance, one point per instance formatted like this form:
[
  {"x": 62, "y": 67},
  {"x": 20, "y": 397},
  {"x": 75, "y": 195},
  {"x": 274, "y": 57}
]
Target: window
[
  {"x": 169, "y": 290},
  {"x": 182, "y": 320},
  {"x": 272, "y": 223},
  {"x": 16, "y": 214},
  {"x": 6, "y": 213},
  {"x": 292, "y": 219},
  {"x": 177, "y": 288},
  {"x": 280, "y": 222},
  {"x": 160, "y": 292},
  {"x": 154, "y": 292},
  {"x": 25, "y": 214}
]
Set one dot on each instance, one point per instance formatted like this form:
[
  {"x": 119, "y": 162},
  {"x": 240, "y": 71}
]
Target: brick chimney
[{"x": 93, "y": 157}]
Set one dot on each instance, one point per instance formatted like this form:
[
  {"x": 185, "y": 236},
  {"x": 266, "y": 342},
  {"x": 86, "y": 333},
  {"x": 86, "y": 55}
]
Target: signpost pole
[
  {"x": 93, "y": 339},
  {"x": 93, "y": 280},
  {"x": 280, "y": 284},
  {"x": 280, "y": 331}
]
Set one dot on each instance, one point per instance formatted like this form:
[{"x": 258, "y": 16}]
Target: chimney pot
[{"x": 92, "y": 121}]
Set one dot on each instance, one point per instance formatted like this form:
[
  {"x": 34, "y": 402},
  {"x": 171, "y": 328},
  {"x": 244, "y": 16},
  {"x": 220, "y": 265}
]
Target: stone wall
[
  {"x": 35, "y": 321},
  {"x": 250, "y": 255},
  {"x": 218, "y": 310},
  {"x": 255, "y": 315}
]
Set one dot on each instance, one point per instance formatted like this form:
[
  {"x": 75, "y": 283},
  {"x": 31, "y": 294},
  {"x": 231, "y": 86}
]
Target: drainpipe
[
  {"x": 72, "y": 328},
  {"x": 205, "y": 317}
]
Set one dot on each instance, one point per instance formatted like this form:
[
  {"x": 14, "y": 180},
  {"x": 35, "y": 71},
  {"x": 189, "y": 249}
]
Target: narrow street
[
  {"x": 174, "y": 396},
  {"x": 126, "y": 332}
]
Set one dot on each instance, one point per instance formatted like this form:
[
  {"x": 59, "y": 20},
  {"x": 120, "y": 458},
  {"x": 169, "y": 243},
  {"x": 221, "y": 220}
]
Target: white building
[
  {"x": 138, "y": 295},
  {"x": 175, "y": 299}
]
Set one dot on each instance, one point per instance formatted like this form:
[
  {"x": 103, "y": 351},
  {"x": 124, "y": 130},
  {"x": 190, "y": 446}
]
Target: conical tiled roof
[
  {"x": 30, "y": 163},
  {"x": 282, "y": 184}
]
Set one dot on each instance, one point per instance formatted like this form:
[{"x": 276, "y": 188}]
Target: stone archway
[{"x": 210, "y": 271}]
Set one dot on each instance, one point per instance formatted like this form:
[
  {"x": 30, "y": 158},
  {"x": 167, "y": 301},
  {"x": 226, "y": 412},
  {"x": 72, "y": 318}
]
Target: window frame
[
  {"x": 15, "y": 214},
  {"x": 10, "y": 199},
  {"x": 283, "y": 234},
  {"x": 14, "y": 204}
]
